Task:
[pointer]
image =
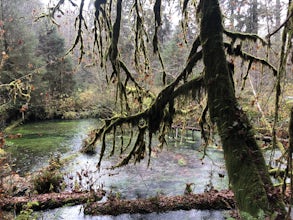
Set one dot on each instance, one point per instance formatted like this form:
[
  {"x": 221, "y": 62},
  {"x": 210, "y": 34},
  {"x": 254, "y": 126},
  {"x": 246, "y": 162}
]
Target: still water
[{"x": 169, "y": 171}]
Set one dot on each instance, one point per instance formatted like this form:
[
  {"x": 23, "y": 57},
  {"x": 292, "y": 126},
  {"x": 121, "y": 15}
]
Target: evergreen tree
[
  {"x": 18, "y": 42},
  {"x": 59, "y": 74}
]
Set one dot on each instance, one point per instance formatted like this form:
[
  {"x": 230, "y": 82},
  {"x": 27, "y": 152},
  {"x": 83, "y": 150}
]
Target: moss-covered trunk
[{"x": 253, "y": 189}]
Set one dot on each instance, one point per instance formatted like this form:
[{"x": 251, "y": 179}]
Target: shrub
[
  {"x": 48, "y": 181},
  {"x": 50, "y": 178}
]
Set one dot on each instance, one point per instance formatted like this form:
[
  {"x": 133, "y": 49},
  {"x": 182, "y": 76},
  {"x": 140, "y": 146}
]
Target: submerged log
[
  {"x": 205, "y": 201},
  {"x": 49, "y": 200}
]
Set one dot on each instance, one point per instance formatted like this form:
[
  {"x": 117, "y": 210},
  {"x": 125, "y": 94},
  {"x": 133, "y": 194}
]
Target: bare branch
[{"x": 279, "y": 28}]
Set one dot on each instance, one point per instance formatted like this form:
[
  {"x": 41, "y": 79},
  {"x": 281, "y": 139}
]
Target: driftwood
[
  {"x": 48, "y": 201},
  {"x": 205, "y": 201}
]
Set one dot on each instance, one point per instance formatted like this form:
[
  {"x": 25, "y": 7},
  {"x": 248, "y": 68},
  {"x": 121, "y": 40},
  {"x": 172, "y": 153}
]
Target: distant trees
[
  {"x": 59, "y": 76},
  {"x": 219, "y": 48},
  {"x": 18, "y": 44},
  {"x": 252, "y": 15},
  {"x": 33, "y": 61}
]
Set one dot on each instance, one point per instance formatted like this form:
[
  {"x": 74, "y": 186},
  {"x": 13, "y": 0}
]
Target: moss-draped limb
[
  {"x": 245, "y": 163},
  {"x": 184, "y": 7},
  {"x": 236, "y": 51},
  {"x": 53, "y": 10},
  {"x": 129, "y": 75},
  {"x": 289, "y": 16},
  {"x": 244, "y": 36},
  {"x": 156, "y": 114},
  {"x": 152, "y": 116},
  {"x": 158, "y": 23},
  {"x": 79, "y": 37},
  {"x": 194, "y": 84},
  {"x": 202, "y": 123},
  {"x": 140, "y": 37}
]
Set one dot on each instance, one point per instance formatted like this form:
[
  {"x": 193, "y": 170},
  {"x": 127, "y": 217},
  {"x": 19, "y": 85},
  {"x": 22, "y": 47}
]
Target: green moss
[
  {"x": 182, "y": 162},
  {"x": 244, "y": 161}
]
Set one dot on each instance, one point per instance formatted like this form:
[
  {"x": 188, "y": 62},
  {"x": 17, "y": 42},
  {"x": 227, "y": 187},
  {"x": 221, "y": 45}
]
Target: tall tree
[
  {"x": 59, "y": 73},
  {"x": 246, "y": 166},
  {"x": 18, "y": 43},
  {"x": 252, "y": 17},
  {"x": 277, "y": 13},
  {"x": 248, "y": 174}
]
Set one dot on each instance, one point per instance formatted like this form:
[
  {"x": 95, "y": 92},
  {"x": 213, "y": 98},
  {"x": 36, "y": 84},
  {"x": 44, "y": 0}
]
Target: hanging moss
[
  {"x": 245, "y": 36},
  {"x": 246, "y": 167}
]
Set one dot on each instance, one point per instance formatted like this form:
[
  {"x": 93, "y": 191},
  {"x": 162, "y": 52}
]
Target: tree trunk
[
  {"x": 248, "y": 174},
  {"x": 49, "y": 200},
  {"x": 210, "y": 200},
  {"x": 253, "y": 20},
  {"x": 277, "y": 12}
]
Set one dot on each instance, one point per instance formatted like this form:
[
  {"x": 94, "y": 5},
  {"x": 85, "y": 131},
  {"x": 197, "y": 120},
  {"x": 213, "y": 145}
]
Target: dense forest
[{"x": 223, "y": 68}]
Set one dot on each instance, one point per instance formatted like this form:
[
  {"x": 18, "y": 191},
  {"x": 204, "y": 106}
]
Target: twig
[{"x": 279, "y": 28}]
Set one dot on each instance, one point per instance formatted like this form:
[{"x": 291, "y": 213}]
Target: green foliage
[
  {"x": 59, "y": 74},
  {"x": 182, "y": 162},
  {"x": 71, "y": 115},
  {"x": 48, "y": 181},
  {"x": 18, "y": 43},
  {"x": 27, "y": 212},
  {"x": 246, "y": 216},
  {"x": 50, "y": 178}
]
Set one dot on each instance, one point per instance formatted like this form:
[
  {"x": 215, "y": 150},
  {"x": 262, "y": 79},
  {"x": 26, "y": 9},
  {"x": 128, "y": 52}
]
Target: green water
[
  {"x": 169, "y": 171},
  {"x": 177, "y": 164},
  {"x": 41, "y": 139}
]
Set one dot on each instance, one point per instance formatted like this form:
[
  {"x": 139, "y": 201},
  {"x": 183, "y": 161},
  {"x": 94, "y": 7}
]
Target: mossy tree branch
[
  {"x": 158, "y": 115},
  {"x": 245, "y": 163},
  {"x": 237, "y": 51},
  {"x": 79, "y": 37},
  {"x": 244, "y": 36}
]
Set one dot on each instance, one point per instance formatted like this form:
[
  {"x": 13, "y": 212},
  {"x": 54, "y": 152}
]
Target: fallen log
[
  {"x": 49, "y": 200},
  {"x": 217, "y": 200}
]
